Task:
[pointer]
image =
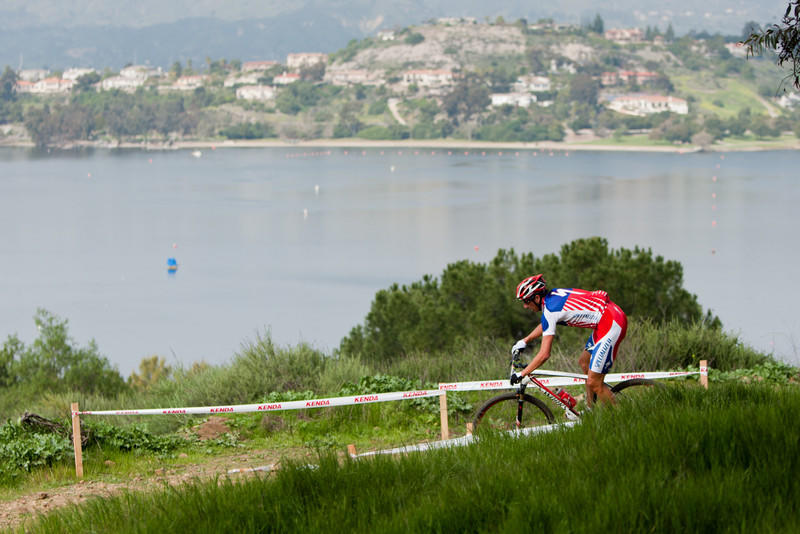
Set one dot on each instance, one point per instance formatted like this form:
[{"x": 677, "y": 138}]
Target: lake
[{"x": 296, "y": 241}]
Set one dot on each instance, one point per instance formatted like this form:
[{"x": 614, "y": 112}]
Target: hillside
[{"x": 454, "y": 79}]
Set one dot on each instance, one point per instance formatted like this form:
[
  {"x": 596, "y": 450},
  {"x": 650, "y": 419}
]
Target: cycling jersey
[
  {"x": 572, "y": 307},
  {"x": 587, "y": 309}
]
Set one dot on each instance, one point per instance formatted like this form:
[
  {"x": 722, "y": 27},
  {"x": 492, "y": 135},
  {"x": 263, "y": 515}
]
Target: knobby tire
[{"x": 500, "y": 413}]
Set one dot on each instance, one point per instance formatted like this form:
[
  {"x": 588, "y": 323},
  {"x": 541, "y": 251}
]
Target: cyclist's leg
[{"x": 606, "y": 338}]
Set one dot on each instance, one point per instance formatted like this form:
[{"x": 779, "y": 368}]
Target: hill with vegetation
[{"x": 457, "y": 80}]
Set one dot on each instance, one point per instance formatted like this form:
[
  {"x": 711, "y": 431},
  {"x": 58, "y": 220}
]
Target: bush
[
  {"x": 249, "y": 130},
  {"x": 473, "y": 300}
]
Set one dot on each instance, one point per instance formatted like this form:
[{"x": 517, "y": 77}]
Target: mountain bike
[{"x": 517, "y": 410}]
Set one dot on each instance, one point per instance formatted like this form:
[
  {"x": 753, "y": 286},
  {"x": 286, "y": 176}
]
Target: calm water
[{"x": 298, "y": 243}]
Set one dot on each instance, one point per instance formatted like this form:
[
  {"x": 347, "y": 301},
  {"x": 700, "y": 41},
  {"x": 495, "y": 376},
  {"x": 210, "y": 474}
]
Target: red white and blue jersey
[{"x": 572, "y": 307}]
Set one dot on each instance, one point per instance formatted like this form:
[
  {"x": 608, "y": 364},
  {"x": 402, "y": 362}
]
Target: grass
[
  {"x": 680, "y": 459},
  {"x": 709, "y": 90}
]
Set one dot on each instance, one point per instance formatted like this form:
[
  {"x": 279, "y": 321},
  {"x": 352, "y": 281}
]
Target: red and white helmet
[{"x": 533, "y": 285}]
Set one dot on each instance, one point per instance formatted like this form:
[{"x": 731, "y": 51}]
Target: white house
[
  {"x": 50, "y": 86},
  {"x": 428, "y": 77},
  {"x": 32, "y": 75},
  {"x": 140, "y": 72},
  {"x": 532, "y": 84},
  {"x": 286, "y": 78},
  {"x": 386, "y": 35},
  {"x": 189, "y": 83},
  {"x": 75, "y": 73},
  {"x": 306, "y": 59},
  {"x": 625, "y": 35},
  {"x": 24, "y": 86},
  {"x": 255, "y": 92},
  {"x": 522, "y": 100},
  {"x": 246, "y": 78},
  {"x": 737, "y": 49},
  {"x": 122, "y": 83},
  {"x": 640, "y": 105}
]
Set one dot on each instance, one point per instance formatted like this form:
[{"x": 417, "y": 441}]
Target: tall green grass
[
  {"x": 676, "y": 460},
  {"x": 261, "y": 368}
]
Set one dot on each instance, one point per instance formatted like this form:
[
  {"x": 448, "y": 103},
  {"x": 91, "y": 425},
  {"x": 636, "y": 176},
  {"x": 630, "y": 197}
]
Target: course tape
[
  {"x": 558, "y": 379},
  {"x": 277, "y": 406}
]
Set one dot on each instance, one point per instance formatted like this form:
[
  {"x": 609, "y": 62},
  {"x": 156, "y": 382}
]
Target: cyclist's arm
[
  {"x": 541, "y": 356},
  {"x": 535, "y": 333}
]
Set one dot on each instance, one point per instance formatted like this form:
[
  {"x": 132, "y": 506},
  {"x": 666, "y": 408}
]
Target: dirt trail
[{"x": 25, "y": 508}]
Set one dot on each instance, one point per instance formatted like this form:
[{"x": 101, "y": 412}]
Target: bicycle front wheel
[{"x": 500, "y": 413}]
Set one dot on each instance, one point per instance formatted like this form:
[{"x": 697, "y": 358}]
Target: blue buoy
[{"x": 172, "y": 265}]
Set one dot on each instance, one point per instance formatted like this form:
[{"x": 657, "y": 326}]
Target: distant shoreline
[{"x": 434, "y": 144}]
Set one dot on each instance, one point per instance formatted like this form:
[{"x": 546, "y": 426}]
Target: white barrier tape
[
  {"x": 277, "y": 406},
  {"x": 559, "y": 379},
  {"x": 462, "y": 441},
  {"x": 266, "y": 468}
]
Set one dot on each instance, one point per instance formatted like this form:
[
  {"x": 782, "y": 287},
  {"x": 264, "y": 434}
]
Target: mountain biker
[{"x": 573, "y": 307}]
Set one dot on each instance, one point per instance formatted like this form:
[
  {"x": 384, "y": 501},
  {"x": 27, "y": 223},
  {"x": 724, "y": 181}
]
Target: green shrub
[{"x": 473, "y": 300}]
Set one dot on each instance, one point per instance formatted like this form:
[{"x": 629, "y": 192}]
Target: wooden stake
[
  {"x": 351, "y": 450},
  {"x": 443, "y": 415},
  {"x": 76, "y": 440},
  {"x": 704, "y": 373}
]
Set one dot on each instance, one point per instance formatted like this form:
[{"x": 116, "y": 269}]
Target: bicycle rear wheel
[
  {"x": 500, "y": 413},
  {"x": 633, "y": 383}
]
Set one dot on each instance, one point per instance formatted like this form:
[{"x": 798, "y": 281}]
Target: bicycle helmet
[{"x": 533, "y": 285}]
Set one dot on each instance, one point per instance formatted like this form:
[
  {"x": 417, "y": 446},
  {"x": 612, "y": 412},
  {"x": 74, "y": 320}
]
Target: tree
[
  {"x": 54, "y": 363},
  {"x": 469, "y": 96},
  {"x": 151, "y": 370},
  {"x": 8, "y": 81},
  {"x": 598, "y": 26},
  {"x": 583, "y": 88},
  {"x": 477, "y": 300},
  {"x": 784, "y": 38},
  {"x": 669, "y": 35}
]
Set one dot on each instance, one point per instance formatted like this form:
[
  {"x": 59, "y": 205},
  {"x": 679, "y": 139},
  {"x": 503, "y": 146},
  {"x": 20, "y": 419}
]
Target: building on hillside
[
  {"x": 248, "y": 66},
  {"x": 32, "y": 75},
  {"x": 189, "y": 83},
  {"x": 245, "y": 78},
  {"x": 75, "y": 73},
  {"x": 309, "y": 59},
  {"x": 532, "y": 84},
  {"x": 789, "y": 100},
  {"x": 353, "y": 77},
  {"x": 522, "y": 100},
  {"x": 140, "y": 72},
  {"x": 286, "y": 78},
  {"x": 562, "y": 66},
  {"x": 121, "y": 83},
  {"x": 52, "y": 86},
  {"x": 625, "y": 35},
  {"x": 737, "y": 49},
  {"x": 641, "y": 104},
  {"x": 386, "y": 35},
  {"x": 255, "y": 92},
  {"x": 24, "y": 86},
  {"x": 429, "y": 77}
]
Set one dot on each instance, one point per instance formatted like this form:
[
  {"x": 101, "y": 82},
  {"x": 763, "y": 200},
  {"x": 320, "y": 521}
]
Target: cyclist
[{"x": 573, "y": 307}]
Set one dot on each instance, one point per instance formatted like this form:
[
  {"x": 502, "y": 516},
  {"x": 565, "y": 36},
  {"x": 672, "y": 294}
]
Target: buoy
[
  {"x": 174, "y": 245},
  {"x": 316, "y": 189},
  {"x": 391, "y": 169},
  {"x": 305, "y": 213},
  {"x": 172, "y": 265},
  {"x": 197, "y": 153}
]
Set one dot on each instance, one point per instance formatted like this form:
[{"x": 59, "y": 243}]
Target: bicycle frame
[{"x": 569, "y": 411}]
